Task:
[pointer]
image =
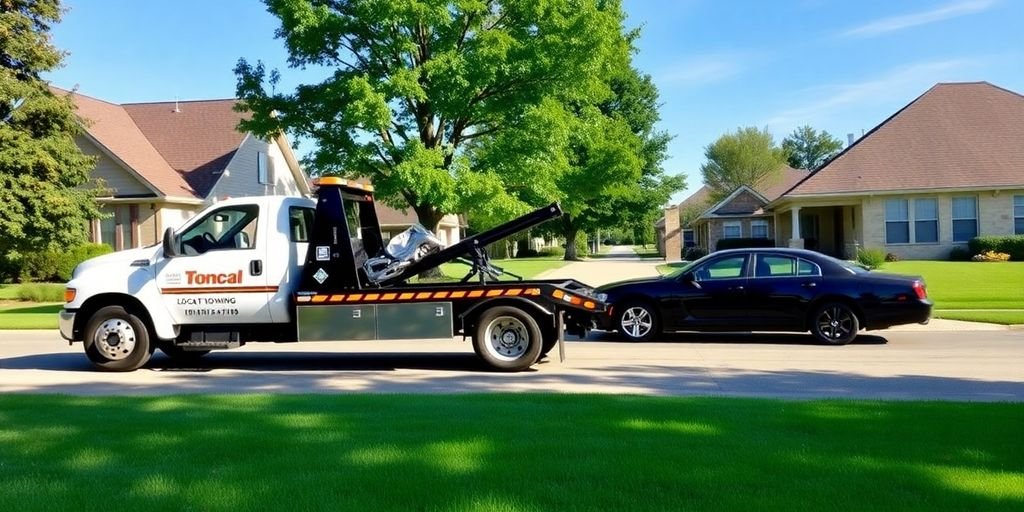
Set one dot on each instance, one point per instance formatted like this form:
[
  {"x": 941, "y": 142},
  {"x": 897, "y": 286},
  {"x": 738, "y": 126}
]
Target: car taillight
[{"x": 919, "y": 289}]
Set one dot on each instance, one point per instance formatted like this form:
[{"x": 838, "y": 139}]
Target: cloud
[
  {"x": 900, "y": 83},
  {"x": 702, "y": 70},
  {"x": 895, "y": 23}
]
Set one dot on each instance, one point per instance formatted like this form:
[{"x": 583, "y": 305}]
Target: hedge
[
  {"x": 53, "y": 265},
  {"x": 1012, "y": 245},
  {"x": 743, "y": 243}
]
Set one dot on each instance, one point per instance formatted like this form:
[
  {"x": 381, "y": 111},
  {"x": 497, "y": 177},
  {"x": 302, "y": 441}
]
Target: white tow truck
[{"x": 286, "y": 269}]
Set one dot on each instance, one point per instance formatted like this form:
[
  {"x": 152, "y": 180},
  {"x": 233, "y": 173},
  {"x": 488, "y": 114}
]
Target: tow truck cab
[{"x": 288, "y": 269}]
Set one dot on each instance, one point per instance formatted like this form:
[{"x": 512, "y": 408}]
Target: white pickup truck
[{"x": 287, "y": 269}]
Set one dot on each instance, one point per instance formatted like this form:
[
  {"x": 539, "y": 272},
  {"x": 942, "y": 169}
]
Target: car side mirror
[
  {"x": 687, "y": 277},
  {"x": 170, "y": 244}
]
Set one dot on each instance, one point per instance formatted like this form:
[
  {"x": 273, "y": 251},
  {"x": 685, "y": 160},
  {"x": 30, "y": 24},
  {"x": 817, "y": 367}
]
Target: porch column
[
  {"x": 795, "y": 240},
  {"x": 673, "y": 235}
]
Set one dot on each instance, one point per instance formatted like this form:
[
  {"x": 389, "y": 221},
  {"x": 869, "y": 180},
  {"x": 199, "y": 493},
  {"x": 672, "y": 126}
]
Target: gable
[
  {"x": 743, "y": 203},
  {"x": 111, "y": 174}
]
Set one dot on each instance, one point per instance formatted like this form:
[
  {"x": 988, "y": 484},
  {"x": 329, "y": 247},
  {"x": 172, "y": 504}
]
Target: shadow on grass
[
  {"x": 35, "y": 308},
  {"x": 507, "y": 452}
]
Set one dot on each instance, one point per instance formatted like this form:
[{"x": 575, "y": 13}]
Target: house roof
[
  {"x": 196, "y": 138},
  {"x": 179, "y": 149},
  {"x": 955, "y": 135}
]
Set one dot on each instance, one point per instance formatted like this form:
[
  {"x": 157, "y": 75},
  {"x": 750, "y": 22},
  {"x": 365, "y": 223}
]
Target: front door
[
  {"x": 219, "y": 277},
  {"x": 719, "y": 300}
]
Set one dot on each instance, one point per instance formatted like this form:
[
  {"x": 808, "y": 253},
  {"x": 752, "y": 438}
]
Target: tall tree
[
  {"x": 747, "y": 156},
  {"x": 40, "y": 165},
  {"x": 412, "y": 83},
  {"x": 807, "y": 148}
]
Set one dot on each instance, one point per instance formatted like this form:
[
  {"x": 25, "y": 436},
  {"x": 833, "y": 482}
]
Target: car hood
[{"x": 628, "y": 282}]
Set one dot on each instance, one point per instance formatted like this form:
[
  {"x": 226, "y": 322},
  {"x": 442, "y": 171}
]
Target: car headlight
[{"x": 603, "y": 297}]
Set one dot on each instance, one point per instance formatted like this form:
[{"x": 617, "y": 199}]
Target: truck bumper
[{"x": 66, "y": 323}]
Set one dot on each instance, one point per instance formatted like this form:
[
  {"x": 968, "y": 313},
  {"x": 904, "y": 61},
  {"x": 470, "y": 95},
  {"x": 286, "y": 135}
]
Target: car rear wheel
[
  {"x": 638, "y": 321},
  {"x": 835, "y": 323}
]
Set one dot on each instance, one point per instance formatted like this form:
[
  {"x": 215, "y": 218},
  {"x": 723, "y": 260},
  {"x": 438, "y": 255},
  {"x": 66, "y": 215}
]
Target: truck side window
[
  {"x": 231, "y": 227},
  {"x": 300, "y": 221}
]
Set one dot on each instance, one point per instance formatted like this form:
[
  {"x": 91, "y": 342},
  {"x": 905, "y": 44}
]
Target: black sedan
[{"x": 765, "y": 290}]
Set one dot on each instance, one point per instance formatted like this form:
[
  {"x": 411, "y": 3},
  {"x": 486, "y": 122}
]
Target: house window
[
  {"x": 1018, "y": 215},
  {"x": 926, "y": 220},
  {"x": 759, "y": 229},
  {"x": 118, "y": 227},
  {"x": 688, "y": 240},
  {"x": 732, "y": 229},
  {"x": 965, "y": 218},
  {"x": 897, "y": 221},
  {"x": 262, "y": 168}
]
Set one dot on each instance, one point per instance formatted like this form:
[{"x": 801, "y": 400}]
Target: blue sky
[{"x": 843, "y": 66}]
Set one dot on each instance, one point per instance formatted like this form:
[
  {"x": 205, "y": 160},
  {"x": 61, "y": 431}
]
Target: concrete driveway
[{"x": 953, "y": 365}]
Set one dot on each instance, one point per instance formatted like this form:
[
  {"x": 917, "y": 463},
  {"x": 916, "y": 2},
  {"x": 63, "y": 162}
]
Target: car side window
[
  {"x": 807, "y": 268},
  {"x": 300, "y": 221},
  {"x": 770, "y": 265},
  {"x": 730, "y": 267},
  {"x": 232, "y": 227}
]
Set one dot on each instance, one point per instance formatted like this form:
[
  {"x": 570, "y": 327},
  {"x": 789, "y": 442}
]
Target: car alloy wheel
[
  {"x": 638, "y": 322},
  {"x": 836, "y": 324}
]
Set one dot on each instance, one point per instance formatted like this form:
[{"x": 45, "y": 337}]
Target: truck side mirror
[{"x": 170, "y": 244}]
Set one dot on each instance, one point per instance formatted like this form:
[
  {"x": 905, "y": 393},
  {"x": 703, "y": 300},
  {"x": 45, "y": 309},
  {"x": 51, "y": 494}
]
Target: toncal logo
[{"x": 193, "y": 277}]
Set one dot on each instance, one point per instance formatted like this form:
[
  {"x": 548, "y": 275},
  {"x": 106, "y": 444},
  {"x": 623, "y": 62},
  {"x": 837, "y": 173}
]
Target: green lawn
[
  {"x": 651, "y": 251},
  {"x": 8, "y": 292},
  {"x": 29, "y": 315},
  {"x": 971, "y": 285},
  {"x": 526, "y": 267},
  {"x": 506, "y": 452}
]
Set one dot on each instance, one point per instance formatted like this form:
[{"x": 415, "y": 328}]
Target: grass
[
  {"x": 651, "y": 251},
  {"x": 507, "y": 453},
  {"x": 668, "y": 268},
  {"x": 9, "y": 291},
  {"x": 971, "y": 286},
  {"x": 31, "y": 315}
]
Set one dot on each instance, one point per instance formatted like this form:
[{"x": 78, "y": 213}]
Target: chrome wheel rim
[
  {"x": 835, "y": 322},
  {"x": 507, "y": 338},
  {"x": 115, "y": 339},
  {"x": 636, "y": 322}
]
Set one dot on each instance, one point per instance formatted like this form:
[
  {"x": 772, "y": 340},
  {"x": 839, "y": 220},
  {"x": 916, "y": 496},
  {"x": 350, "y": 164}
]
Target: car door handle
[
  {"x": 737, "y": 288},
  {"x": 255, "y": 267},
  {"x": 809, "y": 285}
]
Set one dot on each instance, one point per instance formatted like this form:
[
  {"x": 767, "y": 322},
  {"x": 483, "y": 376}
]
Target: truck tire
[
  {"x": 116, "y": 340},
  {"x": 179, "y": 354},
  {"x": 507, "y": 338}
]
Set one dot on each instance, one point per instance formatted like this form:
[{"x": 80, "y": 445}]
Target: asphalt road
[{"x": 964, "y": 365}]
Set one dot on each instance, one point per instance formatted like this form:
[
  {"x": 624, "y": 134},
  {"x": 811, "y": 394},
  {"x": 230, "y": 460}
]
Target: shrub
[
  {"x": 959, "y": 254},
  {"x": 1012, "y": 245},
  {"x": 53, "y": 265},
  {"x": 693, "y": 253},
  {"x": 742, "y": 243},
  {"x": 871, "y": 258},
  {"x": 890, "y": 257},
  {"x": 526, "y": 253},
  {"x": 549, "y": 252},
  {"x": 991, "y": 256},
  {"x": 41, "y": 292}
]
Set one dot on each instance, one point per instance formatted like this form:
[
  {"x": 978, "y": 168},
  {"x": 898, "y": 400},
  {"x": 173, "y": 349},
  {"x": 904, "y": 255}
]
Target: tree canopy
[
  {"x": 748, "y": 156},
  {"x": 40, "y": 165},
  {"x": 807, "y": 148},
  {"x": 413, "y": 86}
]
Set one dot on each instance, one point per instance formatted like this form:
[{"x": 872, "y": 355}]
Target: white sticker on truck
[
  {"x": 323, "y": 253},
  {"x": 320, "y": 276}
]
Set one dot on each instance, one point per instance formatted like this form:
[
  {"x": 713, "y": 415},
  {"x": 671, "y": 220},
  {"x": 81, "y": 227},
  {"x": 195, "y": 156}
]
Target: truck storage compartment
[{"x": 421, "y": 320}]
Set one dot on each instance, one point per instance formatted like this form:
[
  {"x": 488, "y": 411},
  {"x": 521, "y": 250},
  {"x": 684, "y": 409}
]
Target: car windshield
[{"x": 678, "y": 271}]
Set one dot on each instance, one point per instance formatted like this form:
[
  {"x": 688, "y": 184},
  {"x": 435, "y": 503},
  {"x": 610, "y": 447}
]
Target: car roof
[{"x": 780, "y": 250}]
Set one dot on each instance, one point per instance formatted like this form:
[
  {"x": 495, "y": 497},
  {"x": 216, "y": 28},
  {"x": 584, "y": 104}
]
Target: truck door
[
  {"x": 285, "y": 261},
  {"x": 220, "y": 276}
]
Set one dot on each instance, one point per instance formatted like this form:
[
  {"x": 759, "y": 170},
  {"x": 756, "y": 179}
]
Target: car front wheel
[
  {"x": 835, "y": 324},
  {"x": 638, "y": 321}
]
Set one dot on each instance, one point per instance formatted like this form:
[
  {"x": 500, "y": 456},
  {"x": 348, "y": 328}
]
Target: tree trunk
[
  {"x": 570, "y": 231},
  {"x": 430, "y": 218}
]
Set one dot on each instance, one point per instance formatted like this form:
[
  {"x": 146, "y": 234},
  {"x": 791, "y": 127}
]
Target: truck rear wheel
[
  {"x": 116, "y": 340},
  {"x": 507, "y": 338}
]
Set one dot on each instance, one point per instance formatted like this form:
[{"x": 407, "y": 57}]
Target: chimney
[
  {"x": 849, "y": 139},
  {"x": 176, "y": 109}
]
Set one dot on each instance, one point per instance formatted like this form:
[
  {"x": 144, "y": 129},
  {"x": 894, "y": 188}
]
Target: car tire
[
  {"x": 637, "y": 321},
  {"x": 179, "y": 354},
  {"x": 835, "y": 323},
  {"x": 116, "y": 340},
  {"x": 507, "y": 338}
]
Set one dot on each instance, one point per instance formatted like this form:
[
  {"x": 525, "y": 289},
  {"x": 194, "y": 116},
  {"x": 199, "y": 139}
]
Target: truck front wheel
[
  {"x": 507, "y": 338},
  {"x": 116, "y": 340}
]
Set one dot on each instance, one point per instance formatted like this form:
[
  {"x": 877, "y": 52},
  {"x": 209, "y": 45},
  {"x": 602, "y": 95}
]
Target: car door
[
  {"x": 218, "y": 277},
  {"x": 781, "y": 289},
  {"x": 720, "y": 297}
]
